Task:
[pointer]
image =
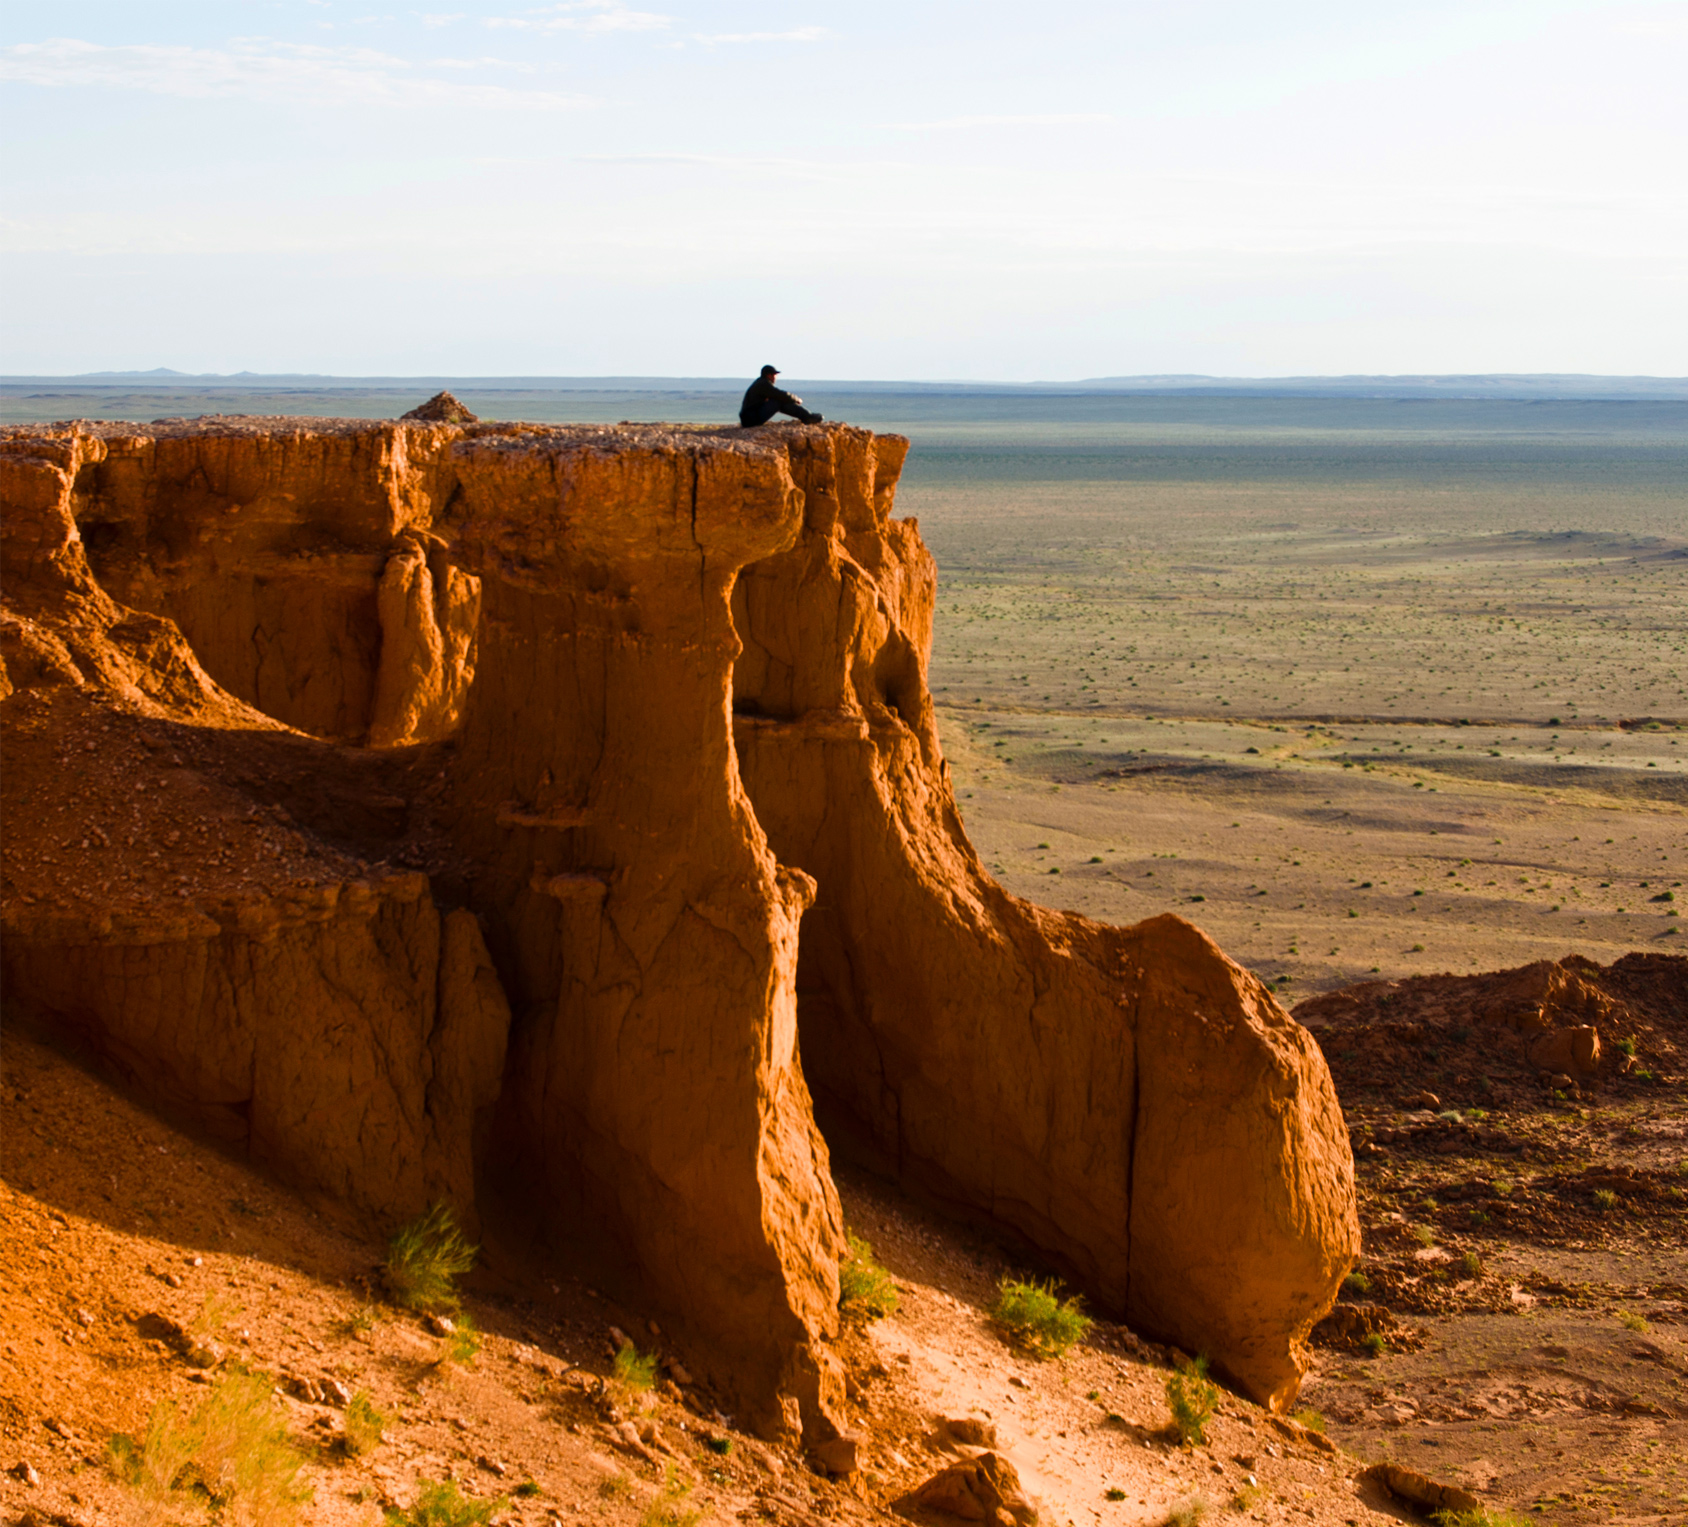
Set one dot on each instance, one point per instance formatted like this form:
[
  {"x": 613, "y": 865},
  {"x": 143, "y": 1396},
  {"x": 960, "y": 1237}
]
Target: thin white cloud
[
  {"x": 1053, "y": 119},
  {"x": 584, "y": 16},
  {"x": 257, "y": 69},
  {"x": 798, "y": 34}
]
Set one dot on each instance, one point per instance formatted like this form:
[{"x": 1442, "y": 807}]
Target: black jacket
[{"x": 757, "y": 398}]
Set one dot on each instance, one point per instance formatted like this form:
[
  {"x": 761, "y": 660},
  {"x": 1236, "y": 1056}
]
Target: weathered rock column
[{"x": 649, "y": 935}]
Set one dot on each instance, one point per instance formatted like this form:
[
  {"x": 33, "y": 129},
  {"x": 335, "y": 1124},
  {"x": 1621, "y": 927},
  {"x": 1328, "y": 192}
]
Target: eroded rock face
[
  {"x": 414, "y": 842},
  {"x": 1127, "y": 1102}
]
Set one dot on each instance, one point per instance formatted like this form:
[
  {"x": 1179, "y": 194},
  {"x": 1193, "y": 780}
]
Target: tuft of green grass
[
  {"x": 1471, "y": 1265},
  {"x": 1356, "y": 1283},
  {"x": 1630, "y": 1321},
  {"x": 364, "y": 1425},
  {"x": 1481, "y": 1516},
  {"x": 865, "y": 1288},
  {"x": 1627, "y": 1046},
  {"x": 1310, "y": 1418},
  {"x": 1035, "y": 1317},
  {"x": 615, "y": 1487},
  {"x": 1605, "y": 1199},
  {"x": 360, "y": 1320},
  {"x": 232, "y": 1445},
  {"x": 1187, "y": 1512},
  {"x": 634, "y": 1370},
  {"x": 425, "y": 1259},
  {"x": 669, "y": 1509},
  {"x": 1191, "y": 1397},
  {"x": 444, "y": 1505},
  {"x": 1424, "y": 1235},
  {"x": 464, "y": 1343},
  {"x": 1374, "y": 1343},
  {"x": 212, "y": 1317}
]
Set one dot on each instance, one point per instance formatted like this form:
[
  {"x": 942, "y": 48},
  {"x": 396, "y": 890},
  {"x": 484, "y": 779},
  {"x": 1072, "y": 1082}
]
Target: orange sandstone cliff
[{"x": 552, "y": 821}]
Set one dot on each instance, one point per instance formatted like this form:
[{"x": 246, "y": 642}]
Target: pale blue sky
[{"x": 875, "y": 190}]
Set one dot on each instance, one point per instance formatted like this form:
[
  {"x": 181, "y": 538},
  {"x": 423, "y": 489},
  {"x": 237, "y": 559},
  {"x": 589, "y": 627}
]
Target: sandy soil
[{"x": 116, "y": 1231}]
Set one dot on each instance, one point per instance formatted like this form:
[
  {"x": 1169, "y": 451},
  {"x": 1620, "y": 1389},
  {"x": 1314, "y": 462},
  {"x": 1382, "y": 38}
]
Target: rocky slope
[{"x": 497, "y": 814}]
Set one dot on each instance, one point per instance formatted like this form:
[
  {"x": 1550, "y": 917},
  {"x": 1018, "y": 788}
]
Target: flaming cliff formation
[{"x": 552, "y": 820}]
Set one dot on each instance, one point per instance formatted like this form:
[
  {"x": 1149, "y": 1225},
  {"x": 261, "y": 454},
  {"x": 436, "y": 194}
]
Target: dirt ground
[{"x": 126, "y": 1243}]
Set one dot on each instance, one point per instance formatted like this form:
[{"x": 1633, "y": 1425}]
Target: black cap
[{"x": 770, "y": 371}]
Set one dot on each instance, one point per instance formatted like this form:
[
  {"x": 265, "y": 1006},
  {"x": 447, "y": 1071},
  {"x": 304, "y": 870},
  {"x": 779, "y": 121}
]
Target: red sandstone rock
[
  {"x": 1420, "y": 1489},
  {"x": 981, "y": 1489},
  {"x": 539, "y": 639},
  {"x": 1126, "y": 1101}
]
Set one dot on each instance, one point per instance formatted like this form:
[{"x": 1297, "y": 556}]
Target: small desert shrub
[
  {"x": 233, "y": 1445},
  {"x": 1471, "y": 1265},
  {"x": 1310, "y": 1418},
  {"x": 1356, "y": 1283},
  {"x": 1246, "y": 1498},
  {"x": 444, "y": 1505},
  {"x": 425, "y": 1259},
  {"x": 864, "y": 1287},
  {"x": 1187, "y": 1512},
  {"x": 1604, "y": 1199},
  {"x": 1113, "y": 1492},
  {"x": 1627, "y": 1046},
  {"x": 721, "y": 1445},
  {"x": 1037, "y": 1318},
  {"x": 615, "y": 1487},
  {"x": 634, "y": 1370},
  {"x": 1191, "y": 1396},
  {"x": 669, "y": 1509},
  {"x": 363, "y": 1426},
  {"x": 1424, "y": 1235},
  {"x": 1630, "y": 1321},
  {"x": 527, "y": 1489},
  {"x": 1374, "y": 1343},
  {"x": 464, "y": 1343}
]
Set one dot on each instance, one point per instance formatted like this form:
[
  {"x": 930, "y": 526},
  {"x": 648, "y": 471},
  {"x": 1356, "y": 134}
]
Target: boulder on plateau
[{"x": 553, "y": 821}]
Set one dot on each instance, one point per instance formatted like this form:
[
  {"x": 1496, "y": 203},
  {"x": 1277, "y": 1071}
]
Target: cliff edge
[{"x": 552, "y": 821}]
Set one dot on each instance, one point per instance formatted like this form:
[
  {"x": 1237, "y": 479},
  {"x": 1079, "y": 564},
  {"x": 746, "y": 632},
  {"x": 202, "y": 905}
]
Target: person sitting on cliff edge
[{"x": 762, "y": 400}]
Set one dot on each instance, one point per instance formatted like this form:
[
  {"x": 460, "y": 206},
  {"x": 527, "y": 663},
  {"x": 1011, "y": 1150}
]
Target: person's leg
[
  {"x": 798, "y": 412},
  {"x": 759, "y": 413}
]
